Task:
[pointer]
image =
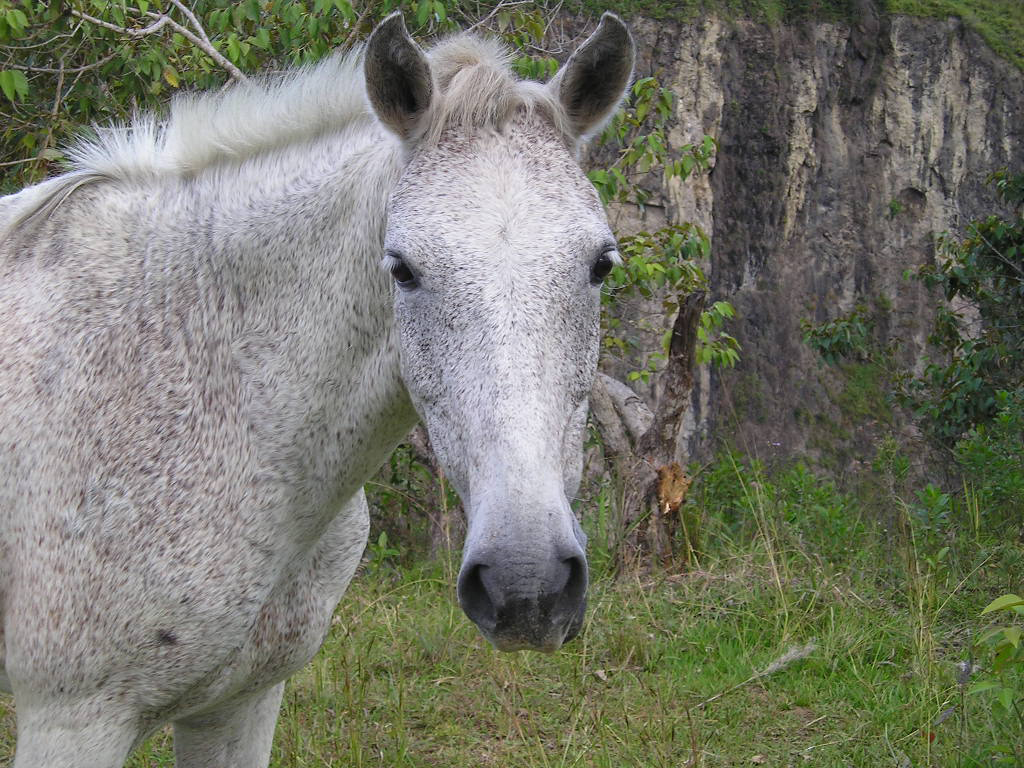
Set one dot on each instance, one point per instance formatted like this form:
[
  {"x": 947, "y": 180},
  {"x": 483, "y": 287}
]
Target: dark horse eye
[
  {"x": 402, "y": 274},
  {"x": 602, "y": 266}
]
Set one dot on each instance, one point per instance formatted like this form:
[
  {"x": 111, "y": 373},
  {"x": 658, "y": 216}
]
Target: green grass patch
[
  {"x": 863, "y": 398},
  {"x": 772, "y": 11},
  {"x": 999, "y": 22}
]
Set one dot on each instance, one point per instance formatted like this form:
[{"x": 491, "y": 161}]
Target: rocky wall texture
[{"x": 843, "y": 151}]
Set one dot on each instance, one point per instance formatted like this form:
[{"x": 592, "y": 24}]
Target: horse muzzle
[{"x": 523, "y": 600}]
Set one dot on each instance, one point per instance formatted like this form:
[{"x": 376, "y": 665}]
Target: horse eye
[
  {"x": 403, "y": 276},
  {"x": 602, "y": 266}
]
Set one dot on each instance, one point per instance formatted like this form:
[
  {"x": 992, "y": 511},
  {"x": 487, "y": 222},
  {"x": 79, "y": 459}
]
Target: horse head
[{"x": 498, "y": 245}]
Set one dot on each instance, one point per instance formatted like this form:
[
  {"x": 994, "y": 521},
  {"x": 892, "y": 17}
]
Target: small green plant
[
  {"x": 895, "y": 208},
  {"x": 640, "y": 131},
  {"x": 931, "y": 512},
  {"x": 991, "y": 455},
  {"x": 714, "y": 345},
  {"x": 381, "y": 553},
  {"x": 1004, "y": 682},
  {"x": 669, "y": 258},
  {"x": 666, "y": 262},
  {"x": 848, "y": 337}
]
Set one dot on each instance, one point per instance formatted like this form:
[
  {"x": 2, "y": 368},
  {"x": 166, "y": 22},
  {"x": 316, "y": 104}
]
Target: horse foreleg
[
  {"x": 66, "y": 736},
  {"x": 237, "y": 735}
]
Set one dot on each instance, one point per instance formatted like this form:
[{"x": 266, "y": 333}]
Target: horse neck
[
  {"x": 305, "y": 223},
  {"x": 294, "y": 243}
]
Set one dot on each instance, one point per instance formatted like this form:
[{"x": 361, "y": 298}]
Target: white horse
[{"x": 202, "y": 360}]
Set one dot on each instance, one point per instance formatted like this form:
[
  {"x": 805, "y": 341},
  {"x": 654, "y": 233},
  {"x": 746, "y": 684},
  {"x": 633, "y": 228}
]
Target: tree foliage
[
  {"x": 65, "y": 65},
  {"x": 979, "y": 330}
]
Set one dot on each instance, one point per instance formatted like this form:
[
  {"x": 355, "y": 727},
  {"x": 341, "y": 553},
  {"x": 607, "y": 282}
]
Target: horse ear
[
  {"x": 595, "y": 78},
  {"x": 398, "y": 79}
]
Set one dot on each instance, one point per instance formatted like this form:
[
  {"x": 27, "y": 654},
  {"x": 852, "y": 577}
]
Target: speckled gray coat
[{"x": 202, "y": 360}]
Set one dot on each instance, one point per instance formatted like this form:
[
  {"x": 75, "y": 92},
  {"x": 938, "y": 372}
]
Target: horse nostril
[
  {"x": 475, "y": 599},
  {"x": 572, "y": 602},
  {"x": 576, "y": 584}
]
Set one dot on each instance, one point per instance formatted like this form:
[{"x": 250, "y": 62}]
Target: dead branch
[
  {"x": 635, "y": 414},
  {"x": 616, "y": 440},
  {"x": 358, "y": 23},
  {"x": 154, "y": 27},
  {"x": 17, "y": 162},
  {"x": 642, "y": 443},
  {"x": 675, "y": 382},
  {"x": 202, "y": 43},
  {"x": 496, "y": 10}
]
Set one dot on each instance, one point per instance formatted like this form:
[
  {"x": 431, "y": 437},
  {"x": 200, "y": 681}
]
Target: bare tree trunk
[{"x": 641, "y": 443}]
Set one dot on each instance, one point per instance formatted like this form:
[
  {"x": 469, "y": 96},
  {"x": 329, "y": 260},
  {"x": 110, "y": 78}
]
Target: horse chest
[
  {"x": 288, "y": 626},
  {"x": 293, "y": 622}
]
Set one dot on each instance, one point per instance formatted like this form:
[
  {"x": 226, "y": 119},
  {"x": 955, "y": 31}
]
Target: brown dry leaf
[{"x": 673, "y": 485}]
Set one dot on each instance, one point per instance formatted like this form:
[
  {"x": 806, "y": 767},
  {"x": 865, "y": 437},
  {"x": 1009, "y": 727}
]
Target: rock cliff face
[{"x": 843, "y": 151}]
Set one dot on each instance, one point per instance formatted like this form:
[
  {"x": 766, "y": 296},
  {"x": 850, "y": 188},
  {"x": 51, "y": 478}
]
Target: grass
[
  {"x": 804, "y": 636},
  {"x": 999, "y": 22},
  {"x": 772, "y": 11}
]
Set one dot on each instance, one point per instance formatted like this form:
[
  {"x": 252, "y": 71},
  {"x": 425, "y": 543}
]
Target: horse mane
[{"x": 476, "y": 86}]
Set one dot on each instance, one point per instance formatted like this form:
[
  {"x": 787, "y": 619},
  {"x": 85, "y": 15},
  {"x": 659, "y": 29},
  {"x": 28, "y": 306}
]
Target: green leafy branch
[
  {"x": 667, "y": 263},
  {"x": 848, "y": 337},
  {"x": 639, "y": 129}
]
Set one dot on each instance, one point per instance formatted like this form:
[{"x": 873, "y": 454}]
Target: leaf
[
  {"x": 1012, "y": 635},
  {"x": 345, "y": 7},
  {"x": 13, "y": 84},
  {"x": 171, "y": 76},
  {"x": 7, "y": 84},
  {"x": 423, "y": 10},
  {"x": 261, "y": 39},
  {"x": 234, "y": 49},
  {"x": 982, "y": 686},
  {"x": 16, "y": 20},
  {"x": 724, "y": 308},
  {"x": 1000, "y": 603},
  {"x": 1005, "y": 697},
  {"x": 641, "y": 111}
]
